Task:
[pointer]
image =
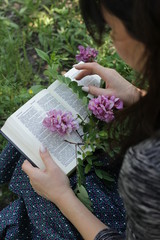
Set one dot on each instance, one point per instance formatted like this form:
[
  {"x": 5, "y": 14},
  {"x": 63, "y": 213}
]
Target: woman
[{"x": 135, "y": 32}]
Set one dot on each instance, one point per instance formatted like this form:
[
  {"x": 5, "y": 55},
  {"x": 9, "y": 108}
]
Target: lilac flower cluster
[
  {"x": 60, "y": 122},
  {"x": 103, "y": 107},
  {"x": 87, "y": 54}
]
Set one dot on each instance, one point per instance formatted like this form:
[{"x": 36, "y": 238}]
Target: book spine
[{"x": 19, "y": 150}]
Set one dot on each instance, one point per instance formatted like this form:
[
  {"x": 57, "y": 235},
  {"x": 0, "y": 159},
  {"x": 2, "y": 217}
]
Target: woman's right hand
[{"x": 115, "y": 84}]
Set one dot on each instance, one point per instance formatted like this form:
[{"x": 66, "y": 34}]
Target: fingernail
[
  {"x": 85, "y": 89},
  {"x": 74, "y": 65},
  {"x": 42, "y": 148}
]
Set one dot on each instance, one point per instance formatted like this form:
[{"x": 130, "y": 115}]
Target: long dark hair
[{"x": 142, "y": 21}]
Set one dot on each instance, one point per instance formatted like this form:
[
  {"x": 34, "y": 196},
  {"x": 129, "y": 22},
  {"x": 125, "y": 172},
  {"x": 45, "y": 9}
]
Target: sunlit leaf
[{"x": 43, "y": 55}]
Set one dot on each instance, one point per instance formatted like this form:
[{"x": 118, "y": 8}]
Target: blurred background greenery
[{"x": 55, "y": 27}]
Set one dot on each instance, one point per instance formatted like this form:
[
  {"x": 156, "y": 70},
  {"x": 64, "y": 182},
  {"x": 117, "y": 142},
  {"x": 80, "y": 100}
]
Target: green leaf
[
  {"x": 87, "y": 168},
  {"x": 99, "y": 173},
  {"x": 52, "y": 71},
  {"x": 97, "y": 164},
  {"x": 36, "y": 88},
  {"x": 85, "y": 128},
  {"x": 81, "y": 94},
  {"x": 85, "y": 100},
  {"x": 103, "y": 134},
  {"x": 93, "y": 157},
  {"x": 86, "y": 201},
  {"x": 80, "y": 169},
  {"x": 82, "y": 194},
  {"x": 83, "y": 155},
  {"x": 48, "y": 73},
  {"x": 74, "y": 86},
  {"x": 88, "y": 153},
  {"x": 62, "y": 11},
  {"x": 89, "y": 160},
  {"x": 102, "y": 147},
  {"x": 92, "y": 147},
  {"x": 43, "y": 55},
  {"x": 103, "y": 175},
  {"x": 80, "y": 161},
  {"x": 107, "y": 177},
  {"x": 79, "y": 152},
  {"x": 11, "y": 24},
  {"x": 67, "y": 80},
  {"x": 83, "y": 191},
  {"x": 60, "y": 78},
  {"x": 22, "y": 10}
]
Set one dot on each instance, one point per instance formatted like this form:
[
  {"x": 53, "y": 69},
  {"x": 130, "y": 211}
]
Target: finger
[
  {"x": 47, "y": 159},
  {"x": 81, "y": 66},
  {"x": 29, "y": 169},
  {"x": 82, "y": 74},
  {"x": 88, "y": 66},
  {"x": 94, "y": 68},
  {"x": 100, "y": 91}
]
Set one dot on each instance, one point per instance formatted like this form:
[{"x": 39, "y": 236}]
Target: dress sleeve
[{"x": 108, "y": 234}]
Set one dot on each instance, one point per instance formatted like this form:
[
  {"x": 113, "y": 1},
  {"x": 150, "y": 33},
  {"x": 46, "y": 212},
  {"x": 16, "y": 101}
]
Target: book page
[
  {"x": 93, "y": 80},
  {"x": 64, "y": 93},
  {"x": 26, "y": 130}
]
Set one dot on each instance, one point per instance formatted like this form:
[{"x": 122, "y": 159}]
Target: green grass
[{"x": 55, "y": 27}]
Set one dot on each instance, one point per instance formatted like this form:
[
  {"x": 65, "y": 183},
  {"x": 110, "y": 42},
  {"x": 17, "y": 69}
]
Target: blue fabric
[{"x": 33, "y": 217}]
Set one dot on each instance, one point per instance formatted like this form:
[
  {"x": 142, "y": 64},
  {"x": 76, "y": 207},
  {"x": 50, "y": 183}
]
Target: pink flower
[
  {"x": 60, "y": 122},
  {"x": 86, "y": 54},
  {"x": 103, "y": 107},
  {"x": 118, "y": 104}
]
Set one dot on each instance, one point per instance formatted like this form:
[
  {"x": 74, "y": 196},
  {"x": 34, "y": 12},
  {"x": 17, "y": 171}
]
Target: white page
[{"x": 67, "y": 95}]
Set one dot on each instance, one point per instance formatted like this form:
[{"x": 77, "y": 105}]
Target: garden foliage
[{"x": 39, "y": 40}]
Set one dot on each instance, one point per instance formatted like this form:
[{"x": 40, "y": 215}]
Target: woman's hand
[
  {"x": 115, "y": 84},
  {"x": 51, "y": 183}
]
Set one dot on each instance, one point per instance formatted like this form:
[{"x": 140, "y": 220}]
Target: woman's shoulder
[
  {"x": 146, "y": 154},
  {"x": 141, "y": 168},
  {"x": 139, "y": 186},
  {"x": 141, "y": 165}
]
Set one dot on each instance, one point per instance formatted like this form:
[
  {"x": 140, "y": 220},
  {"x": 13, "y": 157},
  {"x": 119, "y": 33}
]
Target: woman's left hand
[{"x": 51, "y": 183}]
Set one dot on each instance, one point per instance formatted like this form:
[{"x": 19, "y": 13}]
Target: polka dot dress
[{"x": 33, "y": 217}]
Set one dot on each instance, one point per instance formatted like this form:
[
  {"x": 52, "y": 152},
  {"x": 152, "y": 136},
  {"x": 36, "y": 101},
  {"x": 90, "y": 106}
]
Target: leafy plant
[{"x": 99, "y": 139}]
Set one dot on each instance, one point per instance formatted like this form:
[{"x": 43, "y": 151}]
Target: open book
[{"x": 25, "y": 130}]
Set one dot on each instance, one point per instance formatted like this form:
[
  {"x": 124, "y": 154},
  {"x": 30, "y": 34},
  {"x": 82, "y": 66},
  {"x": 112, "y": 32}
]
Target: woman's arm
[
  {"x": 83, "y": 220},
  {"x": 53, "y": 184}
]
